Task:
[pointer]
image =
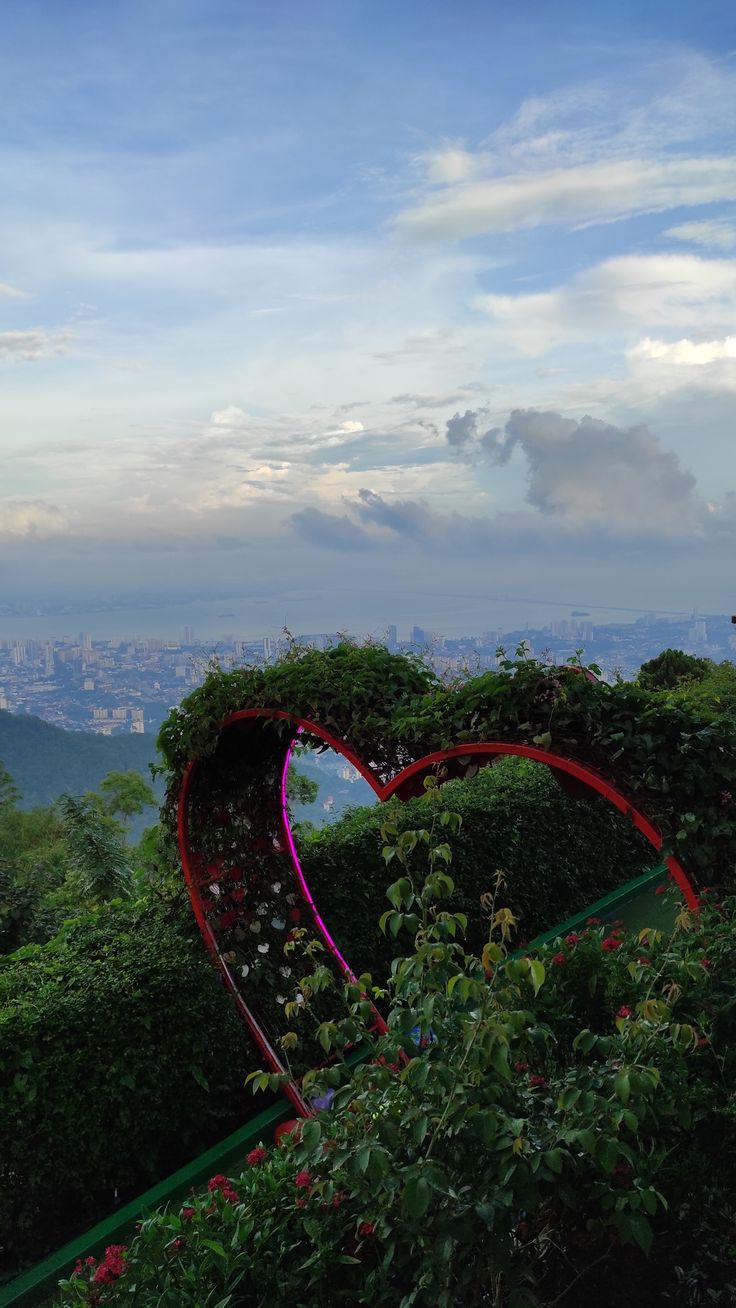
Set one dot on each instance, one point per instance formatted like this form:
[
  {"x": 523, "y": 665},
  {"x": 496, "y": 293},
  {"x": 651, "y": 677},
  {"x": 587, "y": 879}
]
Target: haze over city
[{"x": 360, "y": 311}]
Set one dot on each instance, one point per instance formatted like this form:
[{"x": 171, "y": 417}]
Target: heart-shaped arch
[{"x": 273, "y": 733}]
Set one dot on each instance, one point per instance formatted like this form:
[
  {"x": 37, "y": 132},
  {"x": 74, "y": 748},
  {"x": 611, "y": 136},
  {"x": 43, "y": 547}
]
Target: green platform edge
[{"x": 39, "y": 1283}]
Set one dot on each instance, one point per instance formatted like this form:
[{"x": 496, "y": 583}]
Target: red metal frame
[{"x": 404, "y": 783}]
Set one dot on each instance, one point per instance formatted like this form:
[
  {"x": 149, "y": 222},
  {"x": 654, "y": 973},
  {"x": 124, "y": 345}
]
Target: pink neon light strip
[{"x": 300, "y": 875}]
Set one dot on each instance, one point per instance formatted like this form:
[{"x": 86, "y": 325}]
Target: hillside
[{"x": 44, "y": 760}]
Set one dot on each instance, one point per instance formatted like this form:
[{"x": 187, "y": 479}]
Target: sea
[{"x": 249, "y": 618}]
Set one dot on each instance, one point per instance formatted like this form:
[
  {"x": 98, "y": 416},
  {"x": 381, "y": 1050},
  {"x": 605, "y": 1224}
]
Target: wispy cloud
[
  {"x": 590, "y": 193},
  {"x": 712, "y": 233}
]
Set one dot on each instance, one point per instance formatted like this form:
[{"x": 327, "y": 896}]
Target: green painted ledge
[
  {"x": 633, "y": 901},
  {"x": 39, "y": 1283}
]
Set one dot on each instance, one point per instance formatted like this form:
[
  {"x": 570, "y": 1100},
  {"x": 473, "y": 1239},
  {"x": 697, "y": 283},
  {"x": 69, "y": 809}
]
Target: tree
[
  {"x": 8, "y": 790},
  {"x": 99, "y": 859},
  {"x": 300, "y": 788},
  {"x": 673, "y": 668},
  {"x": 126, "y": 793}
]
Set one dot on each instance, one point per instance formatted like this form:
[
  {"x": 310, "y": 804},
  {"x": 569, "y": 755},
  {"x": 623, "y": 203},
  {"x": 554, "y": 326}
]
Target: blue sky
[{"x": 291, "y": 292}]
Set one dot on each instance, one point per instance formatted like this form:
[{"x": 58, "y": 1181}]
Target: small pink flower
[
  {"x": 559, "y": 960},
  {"x": 624, "y": 1011},
  {"x": 302, "y": 1180}
]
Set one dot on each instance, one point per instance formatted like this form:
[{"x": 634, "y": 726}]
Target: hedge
[
  {"x": 558, "y": 854},
  {"x": 121, "y": 1058}
]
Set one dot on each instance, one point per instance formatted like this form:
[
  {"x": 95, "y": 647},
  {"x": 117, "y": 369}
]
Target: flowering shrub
[{"x": 513, "y": 1140}]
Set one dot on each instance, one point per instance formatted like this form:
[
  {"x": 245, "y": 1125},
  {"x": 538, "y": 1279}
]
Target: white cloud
[
  {"x": 348, "y": 428},
  {"x": 589, "y": 193},
  {"x": 32, "y": 519},
  {"x": 11, "y": 292},
  {"x": 713, "y": 233},
  {"x": 37, "y": 343},
  {"x": 639, "y": 291},
  {"x": 685, "y": 353}
]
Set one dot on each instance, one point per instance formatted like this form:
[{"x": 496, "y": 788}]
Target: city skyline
[{"x": 114, "y": 687}]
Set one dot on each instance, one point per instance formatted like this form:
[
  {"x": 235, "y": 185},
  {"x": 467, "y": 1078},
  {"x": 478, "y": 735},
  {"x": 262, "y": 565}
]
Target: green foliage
[
  {"x": 557, "y": 855},
  {"x": 33, "y": 869},
  {"x": 98, "y": 859},
  {"x": 8, "y": 789},
  {"x": 120, "y": 1059},
  {"x": 45, "y": 759},
  {"x": 671, "y": 756},
  {"x": 488, "y": 1152},
  {"x": 300, "y": 788},
  {"x": 126, "y": 793},
  {"x": 672, "y": 667},
  {"x": 59, "y": 861}
]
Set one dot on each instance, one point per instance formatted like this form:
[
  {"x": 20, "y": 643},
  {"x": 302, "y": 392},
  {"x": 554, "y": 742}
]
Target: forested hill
[{"x": 44, "y": 760}]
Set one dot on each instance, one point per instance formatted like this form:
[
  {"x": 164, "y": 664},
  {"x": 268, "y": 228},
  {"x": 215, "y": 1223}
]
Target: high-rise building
[
  {"x": 391, "y": 640},
  {"x": 418, "y": 636},
  {"x": 85, "y": 640}
]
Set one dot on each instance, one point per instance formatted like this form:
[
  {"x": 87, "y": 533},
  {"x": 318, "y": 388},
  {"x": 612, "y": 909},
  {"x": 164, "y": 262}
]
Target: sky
[{"x": 379, "y": 303}]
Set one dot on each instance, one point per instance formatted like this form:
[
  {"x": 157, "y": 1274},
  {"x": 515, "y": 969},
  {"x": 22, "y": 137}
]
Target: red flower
[
  {"x": 703, "y": 1041},
  {"x": 238, "y": 894},
  {"x": 572, "y": 939},
  {"x": 660, "y": 890},
  {"x": 705, "y": 962},
  {"x": 624, "y": 1011},
  {"x": 521, "y": 1067},
  {"x": 610, "y": 943},
  {"x": 302, "y": 1180},
  {"x": 489, "y": 974},
  {"x": 256, "y": 1156},
  {"x": 537, "y": 1082},
  {"x": 301, "y": 1203},
  {"x": 366, "y": 1229},
  {"x": 593, "y": 921},
  {"x": 177, "y": 1244},
  {"x": 559, "y": 960},
  {"x": 187, "y": 1214},
  {"x": 339, "y": 1198},
  {"x": 222, "y": 1185},
  {"x": 112, "y": 1266}
]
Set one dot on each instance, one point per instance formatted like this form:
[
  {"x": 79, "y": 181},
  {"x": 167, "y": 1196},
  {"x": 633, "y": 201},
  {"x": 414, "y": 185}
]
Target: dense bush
[
  {"x": 670, "y": 754},
  {"x": 497, "y": 1151},
  {"x": 558, "y": 854},
  {"x": 120, "y": 1058}
]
